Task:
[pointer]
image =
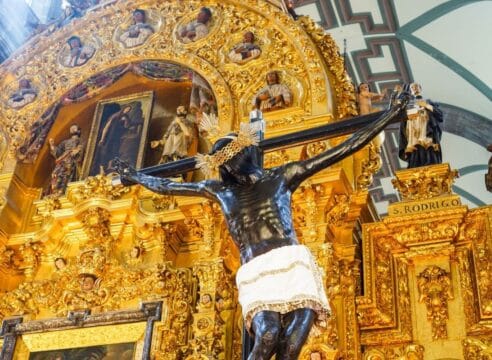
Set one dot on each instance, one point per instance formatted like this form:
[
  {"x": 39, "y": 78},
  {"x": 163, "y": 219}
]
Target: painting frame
[
  {"x": 141, "y": 109},
  {"x": 81, "y": 330}
]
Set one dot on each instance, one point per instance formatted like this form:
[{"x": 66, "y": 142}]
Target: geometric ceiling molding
[
  {"x": 388, "y": 14},
  {"x": 401, "y": 74},
  {"x": 384, "y": 29},
  {"x": 405, "y": 33}
]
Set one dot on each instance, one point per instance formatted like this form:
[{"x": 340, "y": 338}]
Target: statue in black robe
[{"x": 420, "y": 134}]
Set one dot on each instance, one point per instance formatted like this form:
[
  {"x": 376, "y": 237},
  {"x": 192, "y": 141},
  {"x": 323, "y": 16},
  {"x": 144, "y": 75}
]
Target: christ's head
[{"x": 244, "y": 167}]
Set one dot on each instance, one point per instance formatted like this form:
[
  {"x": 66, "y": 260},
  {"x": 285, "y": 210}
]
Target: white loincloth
[{"x": 282, "y": 280}]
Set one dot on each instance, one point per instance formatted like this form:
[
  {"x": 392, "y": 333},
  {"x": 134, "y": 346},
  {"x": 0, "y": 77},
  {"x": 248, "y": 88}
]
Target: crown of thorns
[{"x": 210, "y": 163}]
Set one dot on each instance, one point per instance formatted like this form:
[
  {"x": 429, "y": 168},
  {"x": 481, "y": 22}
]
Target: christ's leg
[
  {"x": 295, "y": 330},
  {"x": 266, "y": 327}
]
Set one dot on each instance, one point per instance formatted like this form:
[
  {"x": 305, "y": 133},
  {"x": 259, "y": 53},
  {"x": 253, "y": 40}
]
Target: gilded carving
[
  {"x": 30, "y": 253},
  {"x": 6, "y": 257},
  {"x": 428, "y": 231},
  {"x": 382, "y": 312},
  {"x": 409, "y": 352},
  {"x": 477, "y": 349},
  {"x": 370, "y": 166},
  {"x": 96, "y": 186},
  {"x": 96, "y": 222},
  {"x": 339, "y": 210},
  {"x": 306, "y": 213},
  {"x": 276, "y": 158},
  {"x": 463, "y": 257},
  {"x": 475, "y": 230},
  {"x": 215, "y": 310},
  {"x": 344, "y": 90},
  {"x": 425, "y": 182},
  {"x": 316, "y": 148},
  {"x": 164, "y": 202}
]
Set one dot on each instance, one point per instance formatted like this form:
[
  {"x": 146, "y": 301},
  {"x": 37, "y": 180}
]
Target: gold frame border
[{"x": 81, "y": 338}]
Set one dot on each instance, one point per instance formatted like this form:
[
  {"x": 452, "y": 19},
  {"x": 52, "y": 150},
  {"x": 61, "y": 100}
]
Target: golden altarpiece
[{"x": 104, "y": 264}]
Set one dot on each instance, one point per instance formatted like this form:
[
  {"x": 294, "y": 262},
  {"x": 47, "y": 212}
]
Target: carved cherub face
[
  {"x": 206, "y": 299},
  {"x": 138, "y": 16},
  {"x": 272, "y": 78},
  {"x": 75, "y": 43},
  {"x": 248, "y": 37},
  {"x": 87, "y": 282},
  {"x": 24, "y": 84},
  {"x": 135, "y": 252},
  {"x": 204, "y": 15},
  {"x": 60, "y": 263}
]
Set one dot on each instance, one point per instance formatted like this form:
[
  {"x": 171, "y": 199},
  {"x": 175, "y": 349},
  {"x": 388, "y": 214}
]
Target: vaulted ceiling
[{"x": 443, "y": 45}]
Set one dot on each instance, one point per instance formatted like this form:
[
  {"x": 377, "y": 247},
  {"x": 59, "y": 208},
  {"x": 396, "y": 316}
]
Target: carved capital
[{"x": 425, "y": 182}]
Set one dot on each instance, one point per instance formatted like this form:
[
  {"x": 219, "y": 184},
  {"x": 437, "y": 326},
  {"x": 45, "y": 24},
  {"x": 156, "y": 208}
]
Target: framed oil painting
[
  {"x": 119, "y": 129},
  {"x": 121, "y": 335}
]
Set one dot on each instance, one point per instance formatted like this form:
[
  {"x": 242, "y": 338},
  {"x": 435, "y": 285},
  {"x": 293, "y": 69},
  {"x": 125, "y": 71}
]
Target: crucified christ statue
[{"x": 279, "y": 284}]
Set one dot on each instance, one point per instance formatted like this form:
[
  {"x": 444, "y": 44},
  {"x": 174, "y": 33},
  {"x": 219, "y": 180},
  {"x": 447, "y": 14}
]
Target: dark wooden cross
[{"x": 332, "y": 130}]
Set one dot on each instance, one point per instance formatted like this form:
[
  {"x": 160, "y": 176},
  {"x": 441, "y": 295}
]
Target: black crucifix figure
[{"x": 279, "y": 284}]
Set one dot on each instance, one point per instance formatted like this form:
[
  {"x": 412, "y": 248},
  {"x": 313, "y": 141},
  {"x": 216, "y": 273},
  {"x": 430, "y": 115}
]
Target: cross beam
[{"x": 323, "y": 132}]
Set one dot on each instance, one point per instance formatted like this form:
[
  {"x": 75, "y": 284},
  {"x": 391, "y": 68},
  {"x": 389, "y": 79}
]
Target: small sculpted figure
[
  {"x": 23, "y": 96},
  {"x": 365, "y": 98},
  {"x": 246, "y": 50},
  {"x": 280, "y": 287},
  {"x": 79, "y": 54},
  {"x": 177, "y": 138},
  {"x": 273, "y": 96},
  {"x": 68, "y": 155},
  {"x": 420, "y": 135},
  {"x": 198, "y": 28},
  {"x": 138, "y": 32}
]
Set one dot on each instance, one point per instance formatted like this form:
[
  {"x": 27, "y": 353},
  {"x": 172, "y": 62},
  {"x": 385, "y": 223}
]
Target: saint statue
[
  {"x": 246, "y": 50},
  {"x": 420, "y": 135},
  {"x": 198, "y": 28},
  {"x": 79, "y": 54},
  {"x": 280, "y": 286},
  {"x": 68, "y": 155},
  {"x": 23, "y": 96},
  {"x": 177, "y": 138},
  {"x": 138, "y": 32},
  {"x": 273, "y": 96}
]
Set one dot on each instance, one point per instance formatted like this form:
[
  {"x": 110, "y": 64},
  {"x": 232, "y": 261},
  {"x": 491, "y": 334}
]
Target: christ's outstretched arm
[
  {"x": 297, "y": 172},
  {"x": 130, "y": 176}
]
